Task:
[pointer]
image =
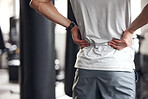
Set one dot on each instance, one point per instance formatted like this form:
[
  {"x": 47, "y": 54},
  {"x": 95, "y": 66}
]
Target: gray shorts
[{"x": 95, "y": 84}]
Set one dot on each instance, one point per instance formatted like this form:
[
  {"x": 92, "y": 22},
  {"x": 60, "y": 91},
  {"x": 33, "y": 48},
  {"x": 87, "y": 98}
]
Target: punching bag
[{"x": 36, "y": 54}]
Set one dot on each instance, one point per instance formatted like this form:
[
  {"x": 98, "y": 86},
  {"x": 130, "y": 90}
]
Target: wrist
[
  {"x": 71, "y": 26},
  {"x": 127, "y": 36},
  {"x": 130, "y": 31}
]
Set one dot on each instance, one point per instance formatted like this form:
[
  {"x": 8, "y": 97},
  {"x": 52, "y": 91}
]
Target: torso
[{"x": 100, "y": 21}]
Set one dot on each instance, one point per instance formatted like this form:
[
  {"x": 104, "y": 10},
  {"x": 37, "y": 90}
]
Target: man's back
[{"x": 100, "y": 21}]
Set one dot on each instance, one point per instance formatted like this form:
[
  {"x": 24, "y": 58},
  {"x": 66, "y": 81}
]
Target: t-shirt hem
[{"x": 108, "y": 68}]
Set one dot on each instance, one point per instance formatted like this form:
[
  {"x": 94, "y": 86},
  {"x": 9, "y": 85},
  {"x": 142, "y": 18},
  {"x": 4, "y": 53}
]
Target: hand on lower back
[
  {"x": 124, "y": 42},
  {"x": 77, "y": 38}
]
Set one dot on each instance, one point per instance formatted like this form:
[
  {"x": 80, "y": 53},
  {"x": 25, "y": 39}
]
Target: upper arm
[{"x": 36, "y": 3}]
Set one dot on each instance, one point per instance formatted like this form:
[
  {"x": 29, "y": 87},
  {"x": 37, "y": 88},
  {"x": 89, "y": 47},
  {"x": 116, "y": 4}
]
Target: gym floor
[{"x": 11, "y": 90}]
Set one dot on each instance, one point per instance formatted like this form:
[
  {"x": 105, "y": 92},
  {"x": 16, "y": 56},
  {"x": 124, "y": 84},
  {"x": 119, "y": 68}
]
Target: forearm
[
  {"x": 47, "y": 9},
  {"x": 140, "y": 21}
]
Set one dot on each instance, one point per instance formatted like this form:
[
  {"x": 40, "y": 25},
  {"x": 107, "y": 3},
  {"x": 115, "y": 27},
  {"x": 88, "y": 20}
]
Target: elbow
[
  {"x": 31, "y": 4},
  {"x": 34, "y": 4}
]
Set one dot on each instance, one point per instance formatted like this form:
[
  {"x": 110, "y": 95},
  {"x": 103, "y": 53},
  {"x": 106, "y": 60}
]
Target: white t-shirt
[{"x": 100, "y": 21}]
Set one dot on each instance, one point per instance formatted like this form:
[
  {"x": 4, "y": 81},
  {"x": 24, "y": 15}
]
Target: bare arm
[
  {"x": 47, "y": 9},
  {"x": 140, "y": 21}
]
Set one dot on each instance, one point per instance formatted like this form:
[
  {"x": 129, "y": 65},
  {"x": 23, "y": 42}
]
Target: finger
[
  {"x": 118, "y": 47},
  {"x": 122, "y": 43},
  {"x": 114, "y": 43},
  {"x": 84, "y": 45},
  {"x": 80, "y": 41},
  {"x": 118, "y": 41},
  {"x": 111, "y": 42}
]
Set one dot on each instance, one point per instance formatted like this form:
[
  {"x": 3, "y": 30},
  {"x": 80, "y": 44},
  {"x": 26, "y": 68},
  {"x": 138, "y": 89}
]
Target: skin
[
  {"x": 125, "y": 41},
  {"x": 47, "y": 9}
]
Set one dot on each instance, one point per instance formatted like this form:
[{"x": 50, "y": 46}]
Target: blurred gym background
[{"x": 37, "y": 56}]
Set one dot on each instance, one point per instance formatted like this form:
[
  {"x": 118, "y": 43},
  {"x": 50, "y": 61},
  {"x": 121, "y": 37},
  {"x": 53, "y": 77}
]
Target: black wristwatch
[{"x": 70, "y": 26}]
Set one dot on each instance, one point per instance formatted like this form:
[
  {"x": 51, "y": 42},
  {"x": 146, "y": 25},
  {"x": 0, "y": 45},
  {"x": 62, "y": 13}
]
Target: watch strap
[{"x": 72, "y": 24}]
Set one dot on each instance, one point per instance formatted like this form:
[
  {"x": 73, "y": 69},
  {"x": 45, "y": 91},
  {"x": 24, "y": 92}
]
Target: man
[{"x": 105, "y": 67}]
